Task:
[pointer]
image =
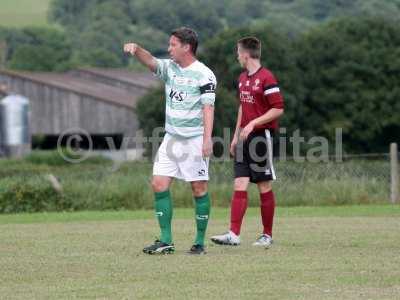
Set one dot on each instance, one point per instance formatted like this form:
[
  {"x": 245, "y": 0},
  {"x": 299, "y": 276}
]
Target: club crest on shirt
[
  {"x": 256, "y": 84},
  {"x": 180, "y": 80}
]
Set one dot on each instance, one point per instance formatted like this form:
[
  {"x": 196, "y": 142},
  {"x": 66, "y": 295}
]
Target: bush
[
  {"x": 98, "y": 187},
  {"x": 38, "y": 49},
  {"x": 32, "y": 194},
  {"x": 351, "y": 81},
  {"x": 54, "y": 158}
]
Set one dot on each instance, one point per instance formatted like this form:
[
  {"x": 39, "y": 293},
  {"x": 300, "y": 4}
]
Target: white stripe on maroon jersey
[{"x": 272, "y": 91}]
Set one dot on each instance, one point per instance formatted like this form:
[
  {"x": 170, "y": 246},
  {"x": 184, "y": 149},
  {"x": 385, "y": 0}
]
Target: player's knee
[
  {"x": 199, "y": 188},
  {"x": 158, "y": 185},
  {"x": 264, "y": 187},
  {"x": 241, "y": 184}
]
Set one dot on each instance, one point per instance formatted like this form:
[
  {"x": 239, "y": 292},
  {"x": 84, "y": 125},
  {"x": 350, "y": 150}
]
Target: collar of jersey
[
  {"x": 188, "y": 67},
  {"x": 258, "y": 70}
]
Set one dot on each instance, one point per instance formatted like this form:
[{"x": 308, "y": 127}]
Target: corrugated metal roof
[
  {"x": 87, "y": 87},
  {"x": 142, "y": 79}
]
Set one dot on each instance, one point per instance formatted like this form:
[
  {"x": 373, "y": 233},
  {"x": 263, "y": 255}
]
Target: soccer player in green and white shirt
[{"x": 187, "y": 145}]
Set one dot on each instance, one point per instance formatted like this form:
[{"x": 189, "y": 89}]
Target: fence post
[{"x": 394, "y": 171}]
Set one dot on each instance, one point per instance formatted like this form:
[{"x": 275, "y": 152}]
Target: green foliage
[
  {"x": 99, "y": 44},
  {"x": 166, "y": 15},
  {"x": 341, "y": 75},
  {"x": 150, "y": 111},
  {"x": 53, "y": 158},
  {"x": 209, "y": 17},
  {"x": 101, "y": 58},
  {"x": 299, "y": 16},
  {"x": 238, "y": 13},
  {"x": 220, "y": 53},
  {"x": 69, "y": 13},
  {"x": 99, "y": 26},
  {"x": 278, "y": 55},
  {"x": 225, "y": 111},
  {"x": 28, "y": 195},
  {"x": 149, "y": 38},
  {"x": 37, "y": 49},
  {"x": 351, "y": 81},
  {"x": 25, "y": 187}
]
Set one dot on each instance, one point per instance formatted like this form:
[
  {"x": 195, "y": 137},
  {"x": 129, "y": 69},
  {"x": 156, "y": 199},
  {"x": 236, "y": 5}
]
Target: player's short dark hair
[
  {"x": 187, "y": 36},
  {"x": 252, "y": 45}
]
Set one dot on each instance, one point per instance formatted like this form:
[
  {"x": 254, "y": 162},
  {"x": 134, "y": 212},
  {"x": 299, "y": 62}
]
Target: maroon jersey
[{"x": 258, "y": 93}]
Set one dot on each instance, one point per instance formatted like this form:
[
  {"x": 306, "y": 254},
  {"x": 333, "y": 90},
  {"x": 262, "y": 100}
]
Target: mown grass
[
  {"x": 319, "y": 253},
  {"x": 20, "y": 13},
  {"x": 186, "y": 213}
]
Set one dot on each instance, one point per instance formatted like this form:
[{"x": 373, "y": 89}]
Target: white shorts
[{"x": 181, "y": 158}]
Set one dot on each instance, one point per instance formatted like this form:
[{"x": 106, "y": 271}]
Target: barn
[{"x": 100, "y": 102}]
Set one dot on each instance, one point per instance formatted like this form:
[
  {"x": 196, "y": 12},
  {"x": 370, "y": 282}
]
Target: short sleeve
[
  {"x": 272, "y": 93},
  {"x": 208, "y": 85},
  {"x": 162, "y": 68}
]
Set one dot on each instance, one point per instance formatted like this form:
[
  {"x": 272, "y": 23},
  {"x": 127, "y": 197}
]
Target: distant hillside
[
  {"x": 299, "y": 15},
  {"x": 19, "y": 13},
  {"x": 96, "y": 29},
  {"x": 295, "y": 15}
]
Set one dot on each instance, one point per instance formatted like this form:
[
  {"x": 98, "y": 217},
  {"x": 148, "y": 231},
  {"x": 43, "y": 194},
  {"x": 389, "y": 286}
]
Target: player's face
[
  {"x": 176, "y": 49},
  {"x": 242, "y": 56}
]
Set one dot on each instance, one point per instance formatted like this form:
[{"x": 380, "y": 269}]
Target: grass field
[
  {"x": 349, "y": 252},
  {"x": 19, "y": 13}
]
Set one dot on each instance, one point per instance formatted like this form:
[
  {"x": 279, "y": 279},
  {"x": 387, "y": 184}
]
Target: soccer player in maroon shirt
[{"x": 261, "y": 104}]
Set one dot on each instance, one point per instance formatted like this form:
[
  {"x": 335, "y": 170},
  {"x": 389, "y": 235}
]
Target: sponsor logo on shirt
[
  {"x": 245, "y": 96},
  {"x": 177, "y": 95}
]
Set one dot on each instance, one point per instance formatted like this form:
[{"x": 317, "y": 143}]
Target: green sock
[
  {"x": 163, "y": 206},
  {"x": 202, "y": 214}
]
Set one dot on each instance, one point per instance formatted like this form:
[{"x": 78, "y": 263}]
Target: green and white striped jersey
[{"x": 186, "y": 91}]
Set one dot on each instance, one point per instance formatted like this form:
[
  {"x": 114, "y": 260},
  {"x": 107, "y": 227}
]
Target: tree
[
  {"x": 199, "y": 15},
  {"x": 101, "y": 40},
  {"x": 103, "y": 21},
  {"x": 150, "y": 110},
  {"x": 70, "y": 12},
  {"x": 39, "y": 49},
  {"x": 154, "y": 40},
  {"x": 220, "y": 55},
  {"x": 350, "y": 80}
]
